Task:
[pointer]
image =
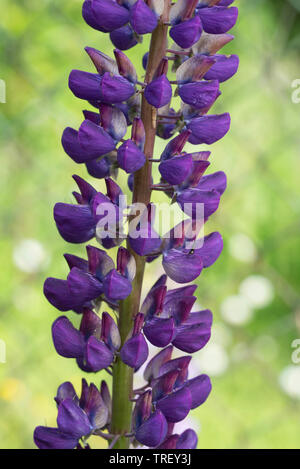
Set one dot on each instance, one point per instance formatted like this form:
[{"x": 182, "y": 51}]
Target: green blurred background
[{"x": 252, "y": 289}]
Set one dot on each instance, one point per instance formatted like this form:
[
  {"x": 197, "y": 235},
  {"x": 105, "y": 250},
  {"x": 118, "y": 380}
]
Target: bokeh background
[{"x": 254, "y": 287}]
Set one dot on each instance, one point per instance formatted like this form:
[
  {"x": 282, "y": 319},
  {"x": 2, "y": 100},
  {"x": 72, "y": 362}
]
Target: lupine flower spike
[{"x": 122, "y": 115}]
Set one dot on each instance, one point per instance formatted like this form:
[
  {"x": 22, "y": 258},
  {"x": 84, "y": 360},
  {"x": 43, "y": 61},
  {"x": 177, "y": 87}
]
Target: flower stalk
[{"x": 123, "y": 374}]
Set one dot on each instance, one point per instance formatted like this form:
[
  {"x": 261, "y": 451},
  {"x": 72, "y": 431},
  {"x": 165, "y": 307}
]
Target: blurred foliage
[{"x": 41, "y": 41}]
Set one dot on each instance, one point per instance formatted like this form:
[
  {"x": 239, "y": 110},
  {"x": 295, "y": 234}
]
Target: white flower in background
[
  {"x": 258, "y": 290},
  {"x": 236, "y": 310},
  {"x": 242, "y": 248},
  {"x": 212, "y": 360},
  {"x": 30, "y": 256},
  {"x": 289, "y": 380}
]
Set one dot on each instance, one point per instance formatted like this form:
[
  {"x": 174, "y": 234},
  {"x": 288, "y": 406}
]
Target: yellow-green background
[{"x": 40, "y": 42}]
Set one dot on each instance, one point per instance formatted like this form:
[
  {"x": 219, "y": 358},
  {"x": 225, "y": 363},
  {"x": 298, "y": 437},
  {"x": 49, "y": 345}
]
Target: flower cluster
[{"x": 115, "y": 135}]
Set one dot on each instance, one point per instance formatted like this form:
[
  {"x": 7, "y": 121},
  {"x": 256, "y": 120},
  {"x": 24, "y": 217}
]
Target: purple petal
[
  {"x": 135, "y": 351},
  {"x": 200, "y": 388},
  {"x": 116, "y": 286},
  {"x": 224, "y": 68},
  {"x": 187, "y": 440},
  {"x": 72, "y": 146},
  {"x": 182, "y": 267},
  {"x": 147, "y": 242},
  {"x": 72, "y": 419},
  {"x": 209, "y": 129},
  {"x": 192, "y": 338},
  {"x": 130, "y": 157},
  {"x": 159, "y": 331},
  {"x": 124, "y": 38},
  {"x": 75, "y": 223},
  {"x": 177, "y": 405},
  {"x": 98, "y": 355},
  {"x": 53, "y": 438},
  {"x": 58, "y": 294},
  {"x": 216, "y": 181},
  {"x": 176, "y": 145},
  {"x": 200, "y": 95},
  {"x": 110, "y": 334},
  {"x": 115, "y": 89},
  {"x": 125, "y": 66},
  {"x": 194, "y": 68},
  {"x": 95, "y": 408},
  {"x": 218, "y": 20},
  {"x": 210, "y": 44},
  {"x": 85, "y": 85},
  {"x": 142, "y": 409},
  {"x": 159, "y": 92},
  {"x": 104, "y": 15},
  {"x": 90, "y": 324},
  {"x": 187, "y": 33},
  {"x": 113, "y": 121},
  {"x": 192, "y": 201},
  {"x": 68, "y": 341},
  {"x": 99, "y": 169},
  {"x": 66, "y": 391},
  {"x": 180, "y": 365},
  {"x": 92, "y": 116},
  {"x": 94, "y": 140},
  {"x": 142, "y": 18},
  {"x": 154, "y": 365},
  {"x": 103, "y": 63},
  {"x": 83, "y": 285},
  {"x": 211, "y": 249},
  {"x": 100, "y": 263},
  {"x": 176, "y": 169},
  {"x": 153, "y": 431},
  {"x": 126, "y": 264},
  {"x": 75, "y": 261},
  {"x": 169, "y": 443}
]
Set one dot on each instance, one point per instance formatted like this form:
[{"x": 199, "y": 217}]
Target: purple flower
[
  {"x": 218, "y": 20},
  {"x": 104, "y": 15},
  {"x": 201, "y": 95},
  {"x": 89, "y": 143},
  {"x": 187, "y": 440},
  {"x": 224, "y": 68},
  {"x": 187, "y": 33},
  {"x": 159, "y": 92},
  {"x": 142, "y": 19},
  {"x": 92, "y": 279},
  {"x": 169, "y": 319},
  {"x": 124, "y": 38},
  {"x": 107, "y": 89},
  {"x": 76, "y": 417},
  {"x": 93, "y": 346},
  {"x": 130, "y": 154},
  {"x": 78, "y": 223},
  {"x": 150, "y": 428},
  {"x": 135, "y": 350},
  {"x": 209, "y": 129}
]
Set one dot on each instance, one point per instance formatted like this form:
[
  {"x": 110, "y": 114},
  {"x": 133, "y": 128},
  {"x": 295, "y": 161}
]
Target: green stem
[{"x": 122, "y": 374}]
